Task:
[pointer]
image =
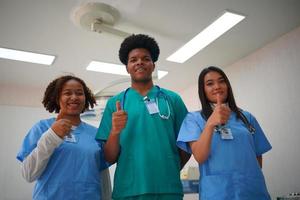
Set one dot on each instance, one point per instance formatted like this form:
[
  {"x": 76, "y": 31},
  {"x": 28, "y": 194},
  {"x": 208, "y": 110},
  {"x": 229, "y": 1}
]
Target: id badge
[
  {"x": 226, "y": 133},
  {"x": 151, "y": 106},
  {"x": 70, "y": 138}
]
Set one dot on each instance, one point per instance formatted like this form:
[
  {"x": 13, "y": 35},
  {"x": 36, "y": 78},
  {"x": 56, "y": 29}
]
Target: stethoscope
[
  {"x": 244, "y": 119},
  {"x": 160, "y": 93}
]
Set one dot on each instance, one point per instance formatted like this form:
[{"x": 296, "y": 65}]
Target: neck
[
  {"x": 142, "y": 87},
  {"x": 75, "y": 119}
]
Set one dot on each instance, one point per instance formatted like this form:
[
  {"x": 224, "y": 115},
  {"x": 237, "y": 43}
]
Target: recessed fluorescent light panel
[
  {"x": 205, "y": 37},
  {"x": 107, "y": 68},
  {"x": 115, "y": 69},
  {"x": 26, "y": 56},
  {"x": 161, "y": 74}
]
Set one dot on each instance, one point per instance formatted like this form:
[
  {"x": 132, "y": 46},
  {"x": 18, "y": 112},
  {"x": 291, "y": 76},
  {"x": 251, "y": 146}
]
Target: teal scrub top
[
  {"x": 73, "y": 170},
  {"x": 231, "y": 171},
  {"x": 149, "y": 161}
]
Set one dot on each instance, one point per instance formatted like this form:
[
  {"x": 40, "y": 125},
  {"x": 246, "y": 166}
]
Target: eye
[
  {"x": 132, "y": 60},
  {"x": 66, "y": 93},
  {"x": 79, "y": 93},
  {"x": 147, "y": 59},
  {"x": 209, "y": 83},
  {"x": 222, "y": 81}
]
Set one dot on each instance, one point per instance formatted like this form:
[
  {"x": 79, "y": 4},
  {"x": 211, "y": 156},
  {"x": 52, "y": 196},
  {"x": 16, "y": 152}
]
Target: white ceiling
[{"x": 45, "y": 27}]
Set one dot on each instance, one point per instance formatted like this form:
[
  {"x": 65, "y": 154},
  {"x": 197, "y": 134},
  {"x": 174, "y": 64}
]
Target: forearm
[
  {"x": 35, "y": 163},
  {"x": 201, "y": 147},
  {"x": 112, "y": 148}
]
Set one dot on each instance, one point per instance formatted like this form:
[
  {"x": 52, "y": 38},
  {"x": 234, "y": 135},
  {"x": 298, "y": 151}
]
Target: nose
[
  {"x": 216, "y": 86},
  {"x": 139, "y": 61},
  {"x": 74, "y": 96}
]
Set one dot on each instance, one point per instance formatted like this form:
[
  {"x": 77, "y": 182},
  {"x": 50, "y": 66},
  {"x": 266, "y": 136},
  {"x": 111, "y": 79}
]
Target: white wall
[
  {"x": 267, "y": 84},
  {"x": 15, "y": 122}
]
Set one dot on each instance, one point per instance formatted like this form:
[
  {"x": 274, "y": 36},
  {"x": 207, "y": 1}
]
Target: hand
[
  {"x": 119, "y": 119},
  {"x": 220, "y": 114},
  {"x": 62, "y": 127}
]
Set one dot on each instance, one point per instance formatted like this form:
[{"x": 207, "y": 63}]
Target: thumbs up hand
[
  {"x": 119, "y": 119},
  {"x": 220, "y": 114}
]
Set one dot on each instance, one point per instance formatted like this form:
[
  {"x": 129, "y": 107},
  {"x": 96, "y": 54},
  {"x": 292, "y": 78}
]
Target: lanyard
[{"x": 158, "y": 94}]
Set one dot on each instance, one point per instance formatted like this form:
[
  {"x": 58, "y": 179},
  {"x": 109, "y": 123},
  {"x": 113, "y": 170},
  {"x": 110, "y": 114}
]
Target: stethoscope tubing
[{"x": 159, "y": 93}]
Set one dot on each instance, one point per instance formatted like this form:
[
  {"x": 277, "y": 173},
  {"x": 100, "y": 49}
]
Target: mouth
[
  {"x": 74, "y": 105},
  {"x": 218, "y": 93},
  {"x": 140, "y": 69}
]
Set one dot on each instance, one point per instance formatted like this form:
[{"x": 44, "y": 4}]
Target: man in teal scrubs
[{"x": 140, "y": 127}]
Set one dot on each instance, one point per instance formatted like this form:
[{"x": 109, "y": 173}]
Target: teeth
[{"x": 140, "y": 69}]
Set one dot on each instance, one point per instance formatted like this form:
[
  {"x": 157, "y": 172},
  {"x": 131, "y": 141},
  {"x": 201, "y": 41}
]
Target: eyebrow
[
  {"x": 146, "y": 56},
  {"x": 220, "y": 78},
  {"x": 79, "y": 89}
]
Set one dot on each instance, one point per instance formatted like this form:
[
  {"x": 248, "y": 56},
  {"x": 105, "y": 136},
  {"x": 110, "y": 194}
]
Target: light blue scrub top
[
  {"x": 231, "y": 171},
  {"x": 149, "y": 161},
  {"x": 73, "y": 170}
]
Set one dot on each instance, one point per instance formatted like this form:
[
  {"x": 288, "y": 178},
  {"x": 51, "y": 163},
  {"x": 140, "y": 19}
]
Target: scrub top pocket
[{"x": 213, "y": 187}]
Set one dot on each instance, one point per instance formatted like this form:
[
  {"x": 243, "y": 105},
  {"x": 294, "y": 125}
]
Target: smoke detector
[{"x": 97, "y": 17}]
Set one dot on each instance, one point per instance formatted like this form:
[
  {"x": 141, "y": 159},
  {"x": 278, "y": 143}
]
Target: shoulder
[
  {"x": 44, "y": 124},
  {"x": 193, "y": 122},
  {"x": 247, "y": 114},
  {"x": 38, "y": 129},
  {"x": 195, "y": 115},
  {"x": 89, "y": 126},
  {"x": 170, "y": 93},
  {"x": 89, "y": 129},
  {"x": 118, "y": 97},
  {"x": 196, "y": 118}
]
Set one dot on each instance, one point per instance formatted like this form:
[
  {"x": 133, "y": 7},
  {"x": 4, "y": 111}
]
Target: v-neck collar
[{"x": 150, "y": 93}]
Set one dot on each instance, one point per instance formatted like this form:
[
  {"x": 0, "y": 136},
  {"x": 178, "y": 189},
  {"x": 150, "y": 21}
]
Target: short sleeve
[
  {"x": 190, "y": 130},
  {"x": 262, "y": 145},
  {"x": 103, "y": 163},
  {"x": 261, "y": 142},
  {"x": 180, "y": 112},
  {"x": 31, "y": 139},
  {"x": 106, "y": 121}
]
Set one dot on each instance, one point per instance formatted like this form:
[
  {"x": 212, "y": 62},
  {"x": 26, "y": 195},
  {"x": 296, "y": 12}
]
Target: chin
[
  {"x": 142, "y": 80},
  {"x": 77, "y": 112}
]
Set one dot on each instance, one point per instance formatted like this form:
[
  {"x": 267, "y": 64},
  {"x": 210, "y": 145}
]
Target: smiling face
[
  {"x": 140, "y": 65},
  {"x": 215, "y": 84},
  {"x": 72, "y": 99}
]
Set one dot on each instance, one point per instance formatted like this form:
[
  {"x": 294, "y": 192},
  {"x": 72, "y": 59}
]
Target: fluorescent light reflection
[
  {"x": 205, "y": 37},
  {"x": 115, "y": 69},
  {"x": 26, "y": 56}
]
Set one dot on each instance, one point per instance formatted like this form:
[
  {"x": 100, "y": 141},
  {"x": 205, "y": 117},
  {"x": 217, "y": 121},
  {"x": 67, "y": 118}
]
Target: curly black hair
[
  {"x": 53, "y": 91},
  {"x": 138, "y": 41}
]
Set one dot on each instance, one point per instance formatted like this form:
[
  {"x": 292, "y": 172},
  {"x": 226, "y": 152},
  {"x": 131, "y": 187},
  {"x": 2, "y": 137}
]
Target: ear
[
  {"x": 153, "y": 67},
  {"x": 127, "y": 69}
]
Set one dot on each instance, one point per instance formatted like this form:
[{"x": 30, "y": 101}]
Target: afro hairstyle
[{"x": 138, "y": 41}]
